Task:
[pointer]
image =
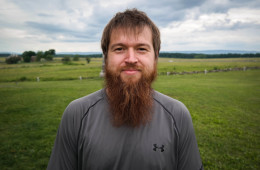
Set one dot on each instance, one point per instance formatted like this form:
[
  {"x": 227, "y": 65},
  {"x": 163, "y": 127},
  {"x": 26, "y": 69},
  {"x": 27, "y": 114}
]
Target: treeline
[
  {"x": 182, "y": 55},
  {"x": 31, "y": 56},
  {"x": 5, "y": 54},
  {"x": 196, "y": 55},
  {"x": 80, "y": 55}
]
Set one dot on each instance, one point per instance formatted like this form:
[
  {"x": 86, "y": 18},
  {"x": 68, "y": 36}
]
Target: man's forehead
[
  {"x": 121, "y": 33},
  {"x": 131, "y": 31}
]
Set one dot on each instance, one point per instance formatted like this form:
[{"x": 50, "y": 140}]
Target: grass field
[{"x": 225, "y": 108}]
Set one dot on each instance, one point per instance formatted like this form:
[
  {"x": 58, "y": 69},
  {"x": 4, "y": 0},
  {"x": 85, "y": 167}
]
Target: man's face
[{"x": 130, "y": 55}]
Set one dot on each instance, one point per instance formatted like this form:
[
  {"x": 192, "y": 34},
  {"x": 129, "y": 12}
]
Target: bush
[
  {"x": 65, "y": 59},
  {"x": 88, "y": 59},
  {"x": 23, "y": 78},
  {"x": 13, "y": 59}
]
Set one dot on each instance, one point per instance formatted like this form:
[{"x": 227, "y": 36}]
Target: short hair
[{"x": 132, "y": 19}]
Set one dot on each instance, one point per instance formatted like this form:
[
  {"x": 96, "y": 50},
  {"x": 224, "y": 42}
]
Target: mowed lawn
[{"x": 224, "y": 106}]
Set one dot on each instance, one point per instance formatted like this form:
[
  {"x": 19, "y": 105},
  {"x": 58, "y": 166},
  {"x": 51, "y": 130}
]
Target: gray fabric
[{"x": 87, "y": 140}]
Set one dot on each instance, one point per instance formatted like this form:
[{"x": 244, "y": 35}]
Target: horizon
[{"x": 184, "y": 52}]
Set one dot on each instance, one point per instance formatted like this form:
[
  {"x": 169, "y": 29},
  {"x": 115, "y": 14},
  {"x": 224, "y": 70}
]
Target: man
[{"x": 127, "y": 125}]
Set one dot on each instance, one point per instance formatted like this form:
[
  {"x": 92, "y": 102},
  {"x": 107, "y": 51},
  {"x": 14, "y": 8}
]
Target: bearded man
[{"x": 127, "y": 125}]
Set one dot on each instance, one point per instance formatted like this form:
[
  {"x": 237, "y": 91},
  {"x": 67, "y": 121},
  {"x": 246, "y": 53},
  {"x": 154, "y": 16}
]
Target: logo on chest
[{"x": 155, "y": 147}]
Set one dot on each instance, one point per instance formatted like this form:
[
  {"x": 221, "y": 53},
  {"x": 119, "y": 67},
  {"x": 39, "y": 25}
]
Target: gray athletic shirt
[{"x": 87, "y": 140}]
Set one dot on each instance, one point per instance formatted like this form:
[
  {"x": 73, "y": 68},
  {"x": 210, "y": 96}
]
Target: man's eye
[
  {"x": 119, "y": 49},
  {"x": 142, "y": 49}
]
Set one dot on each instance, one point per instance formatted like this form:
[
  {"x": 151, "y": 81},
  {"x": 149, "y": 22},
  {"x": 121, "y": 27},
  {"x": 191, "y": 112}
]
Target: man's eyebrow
[
  {"x": 143, "y": 44},
  {"x": 123, "y": 45},
  {"x": 117, "y": 44}
]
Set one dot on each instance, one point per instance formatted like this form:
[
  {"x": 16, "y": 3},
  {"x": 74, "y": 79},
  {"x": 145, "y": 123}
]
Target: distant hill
[
  {"x": 214, "y": 52},
  {"x": 185, "y": 52}
]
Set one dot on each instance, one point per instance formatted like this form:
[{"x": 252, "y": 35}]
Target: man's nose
[{"x": 131, "y": 56}]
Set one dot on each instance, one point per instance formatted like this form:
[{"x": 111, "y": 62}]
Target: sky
[{"x": 77, "y": 25}]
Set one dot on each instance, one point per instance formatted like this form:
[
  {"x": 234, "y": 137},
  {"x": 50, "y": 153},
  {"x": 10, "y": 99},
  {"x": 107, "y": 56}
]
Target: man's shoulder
[
  {"x": 81, "y": 105},
  {"x": 176, "y": 109},
  {"x": 166, "y": 101},
  {"x": 89, "y": 99}
]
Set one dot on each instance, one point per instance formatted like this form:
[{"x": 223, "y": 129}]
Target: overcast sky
[{"x": 77, "y": 25}]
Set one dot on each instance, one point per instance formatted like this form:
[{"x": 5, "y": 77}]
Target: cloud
[
  {"x": 185, "y": 24},
  {"x": 214, "y": 31}
]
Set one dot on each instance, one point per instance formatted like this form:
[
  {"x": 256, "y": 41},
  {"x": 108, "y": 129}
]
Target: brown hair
[{"x": 134, "y": 20}]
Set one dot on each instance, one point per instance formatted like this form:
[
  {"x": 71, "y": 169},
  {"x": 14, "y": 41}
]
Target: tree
[
  {"x": 49, "y": 57},
  {"x": 52, "y": 51},
  {"x": 49, "y": 52},
  {"x": 27, "y": 56},
  {"x": 39, "y": 55}
]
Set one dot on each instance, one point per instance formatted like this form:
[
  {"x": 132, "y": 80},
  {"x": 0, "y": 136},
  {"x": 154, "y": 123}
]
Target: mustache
[{"x": 131, "y": 66}]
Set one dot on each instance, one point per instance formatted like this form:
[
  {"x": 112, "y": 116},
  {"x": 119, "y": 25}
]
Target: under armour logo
[{"x": 156, "y": 147}]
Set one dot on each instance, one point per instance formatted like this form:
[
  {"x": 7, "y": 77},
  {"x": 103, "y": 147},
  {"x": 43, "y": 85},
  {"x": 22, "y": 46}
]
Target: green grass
[
  {"x": 30, "y": 115},
  {"x": 225, "y": 110},
  {"x": 56, "y": 70},
  {"x": 181, "y": 65},
  {"x": 224, "y": 107},
  {"x": 47, "y": 71}
]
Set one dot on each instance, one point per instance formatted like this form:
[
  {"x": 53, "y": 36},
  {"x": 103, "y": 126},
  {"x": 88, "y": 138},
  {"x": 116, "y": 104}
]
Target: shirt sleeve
[
  {"x": 188, "y": 152},
  {"x": 64, "y": 152}
]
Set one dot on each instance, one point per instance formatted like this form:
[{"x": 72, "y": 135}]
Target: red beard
[{"x": 131, "y": 101}]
